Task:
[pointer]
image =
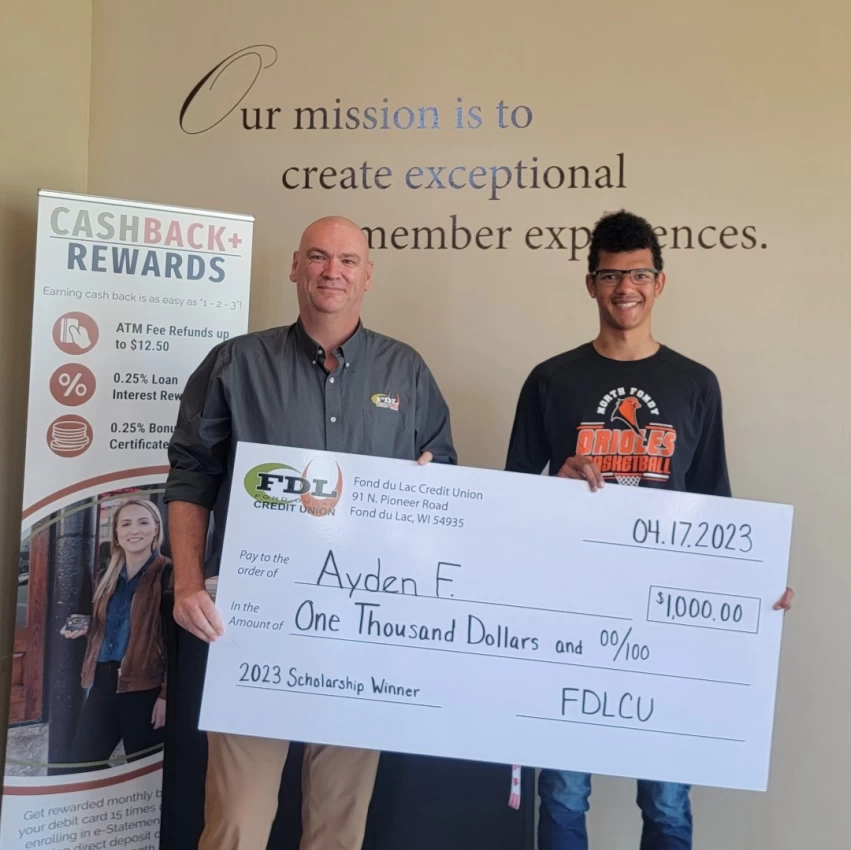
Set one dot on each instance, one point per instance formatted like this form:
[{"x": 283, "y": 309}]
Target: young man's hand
[
  {"x": 584, "y": 469},
  {"x": 785, "y": 601}
]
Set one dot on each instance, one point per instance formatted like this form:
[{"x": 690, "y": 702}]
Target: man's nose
[{"x": 332, "y": 268}]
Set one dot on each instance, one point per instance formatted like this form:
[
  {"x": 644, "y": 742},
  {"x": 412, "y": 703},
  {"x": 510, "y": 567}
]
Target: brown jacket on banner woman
[{"x": 124, "y": 668}]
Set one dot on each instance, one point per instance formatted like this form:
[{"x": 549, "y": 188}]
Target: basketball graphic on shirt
[{"x": 627, "y": 441}]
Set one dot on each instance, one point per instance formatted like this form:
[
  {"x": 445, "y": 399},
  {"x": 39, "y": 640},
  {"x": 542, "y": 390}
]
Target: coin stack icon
[{"x": 69, "y": 437}]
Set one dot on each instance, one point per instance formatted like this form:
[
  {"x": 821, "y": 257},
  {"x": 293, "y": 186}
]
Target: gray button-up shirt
[{"x": 272, "y": 387}]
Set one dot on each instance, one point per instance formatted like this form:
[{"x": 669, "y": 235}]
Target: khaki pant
[{"x": 243, "y": 781}]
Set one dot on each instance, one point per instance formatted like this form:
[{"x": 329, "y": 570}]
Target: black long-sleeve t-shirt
[{"x": 653, "y": 422}]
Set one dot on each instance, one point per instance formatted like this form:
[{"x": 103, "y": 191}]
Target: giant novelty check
[{"x": 499, "y": 617}]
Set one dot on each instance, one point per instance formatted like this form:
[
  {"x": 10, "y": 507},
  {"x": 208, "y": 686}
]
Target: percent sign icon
[
  {"x": 72, "y": 384},
  {"x": 623, "y": 648}
]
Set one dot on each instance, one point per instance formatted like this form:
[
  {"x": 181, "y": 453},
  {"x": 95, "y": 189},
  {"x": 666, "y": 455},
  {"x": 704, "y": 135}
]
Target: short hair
[{"x": 622, "y": 231}]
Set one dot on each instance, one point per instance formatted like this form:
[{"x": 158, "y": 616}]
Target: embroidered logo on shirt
[
  {"x": 629, "y": 444},
  {"x": 386, "y": 400}
]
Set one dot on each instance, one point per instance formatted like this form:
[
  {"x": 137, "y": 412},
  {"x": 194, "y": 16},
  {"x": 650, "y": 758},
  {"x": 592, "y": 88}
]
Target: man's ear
[{"x": 591, "y": 285}]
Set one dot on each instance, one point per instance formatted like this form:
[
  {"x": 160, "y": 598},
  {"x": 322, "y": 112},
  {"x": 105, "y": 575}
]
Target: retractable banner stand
[{"x": 129, "y": 298}]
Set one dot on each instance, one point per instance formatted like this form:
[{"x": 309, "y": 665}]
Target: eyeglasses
[{"x": 612, "y": 277}]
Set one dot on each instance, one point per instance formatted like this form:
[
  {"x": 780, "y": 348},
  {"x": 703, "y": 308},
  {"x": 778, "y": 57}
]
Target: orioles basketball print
[{"x": 629, "y": 444}]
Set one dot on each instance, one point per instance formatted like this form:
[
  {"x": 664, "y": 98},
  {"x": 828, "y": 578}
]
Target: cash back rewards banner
[{"x": 129, "y": 297}]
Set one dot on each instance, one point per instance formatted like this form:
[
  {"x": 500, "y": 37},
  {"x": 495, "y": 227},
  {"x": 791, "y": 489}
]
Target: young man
[
  {"x": 307, "y": 385},
  {"x": 622, "y": 409}
]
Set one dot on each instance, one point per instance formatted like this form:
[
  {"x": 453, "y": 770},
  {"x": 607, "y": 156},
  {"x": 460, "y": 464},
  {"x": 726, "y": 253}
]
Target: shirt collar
[
  {"x": 144, "y": 567},
  {"x": 347, "y": 353}
]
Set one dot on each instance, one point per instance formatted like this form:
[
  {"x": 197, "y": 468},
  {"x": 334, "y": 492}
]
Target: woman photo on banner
[{"x": 124, "y": 667}]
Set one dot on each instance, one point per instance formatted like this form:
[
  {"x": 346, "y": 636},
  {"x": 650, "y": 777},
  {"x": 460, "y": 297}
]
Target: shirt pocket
[{"x": 387, "y": 433}]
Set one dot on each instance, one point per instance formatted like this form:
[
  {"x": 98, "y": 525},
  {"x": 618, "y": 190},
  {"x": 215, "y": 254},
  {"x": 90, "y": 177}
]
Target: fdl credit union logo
[
  {"x": 280, "y": 487},
  {"x": 386, "y": 401}
]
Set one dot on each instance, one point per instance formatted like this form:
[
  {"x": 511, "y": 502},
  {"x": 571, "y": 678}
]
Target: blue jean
[{"x": 665, "y": 810}]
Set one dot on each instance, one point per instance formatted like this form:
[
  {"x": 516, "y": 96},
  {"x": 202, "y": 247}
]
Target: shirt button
[
  {"x": 331, "y": 380},
  {"x": 347, "y": 365},
  {"x": 333, "y": 418}
]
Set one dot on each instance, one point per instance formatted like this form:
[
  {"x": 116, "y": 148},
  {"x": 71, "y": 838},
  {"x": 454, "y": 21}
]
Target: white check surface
[{"x": 499, "y": 617}]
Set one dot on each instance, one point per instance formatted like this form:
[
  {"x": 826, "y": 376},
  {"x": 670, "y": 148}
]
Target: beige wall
[
  {"x": 45, "y": 63},
  {"x": 729, "y": 114}
]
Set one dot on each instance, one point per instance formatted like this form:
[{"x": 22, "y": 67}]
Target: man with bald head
[{"x": 324, "y": 382}]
